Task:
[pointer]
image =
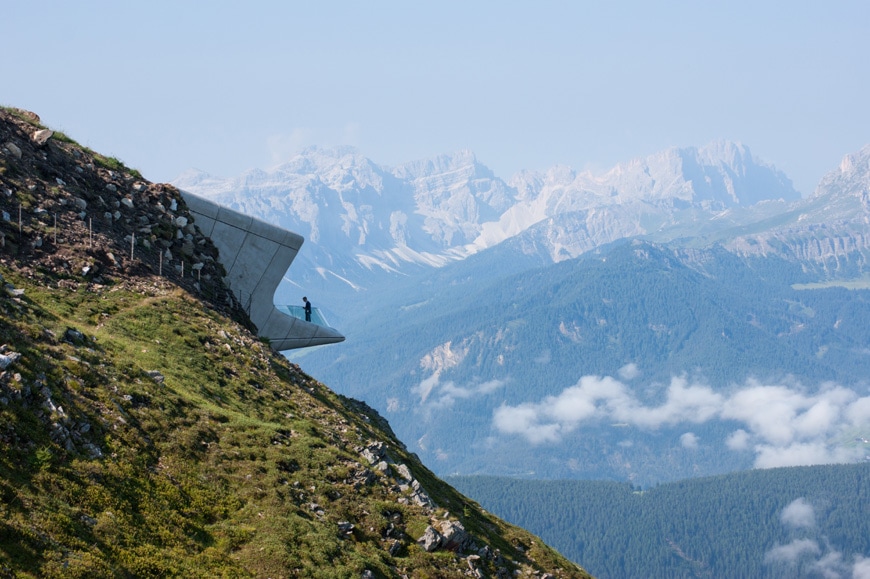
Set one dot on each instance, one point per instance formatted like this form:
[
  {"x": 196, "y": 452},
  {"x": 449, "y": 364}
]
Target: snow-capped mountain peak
[{"x": 362, "y": 216}]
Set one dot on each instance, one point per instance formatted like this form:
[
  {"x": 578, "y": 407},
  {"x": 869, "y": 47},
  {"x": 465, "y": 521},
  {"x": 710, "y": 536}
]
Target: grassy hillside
[{"x": 147, "y": 433}]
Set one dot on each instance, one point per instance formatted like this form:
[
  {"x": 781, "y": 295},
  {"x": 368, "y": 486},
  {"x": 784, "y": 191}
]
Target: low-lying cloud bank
[{"x": 784, "y": 425}]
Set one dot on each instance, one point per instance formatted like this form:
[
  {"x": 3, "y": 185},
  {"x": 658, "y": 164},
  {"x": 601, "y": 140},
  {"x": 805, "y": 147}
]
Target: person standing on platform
[{"x": 307, "y": 309}]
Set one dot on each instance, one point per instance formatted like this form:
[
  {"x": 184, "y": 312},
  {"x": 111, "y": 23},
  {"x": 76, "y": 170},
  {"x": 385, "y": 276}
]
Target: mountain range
[
  {"x": 362, "y": 219},
  {"x": 632, "y": 324}
]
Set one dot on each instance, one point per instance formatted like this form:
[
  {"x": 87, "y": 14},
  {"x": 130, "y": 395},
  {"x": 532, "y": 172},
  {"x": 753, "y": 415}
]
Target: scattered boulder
[
  {"x": 13, "y": 149},
  {"x": 403, "y": 471},
  {"x": 374, "y": 452},
  {"x": 454, "y": 537},
  {"x": 74, "y": 336},
  {"x": 8, "y": 358},
  {"x": 430, "y": 540},
  {"x": 156, "y": 376}
]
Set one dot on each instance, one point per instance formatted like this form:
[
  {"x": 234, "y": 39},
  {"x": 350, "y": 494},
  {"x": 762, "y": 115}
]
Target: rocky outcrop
[
  {"x": 94, "y": 219},
  {"x": 830, "y": 227}
]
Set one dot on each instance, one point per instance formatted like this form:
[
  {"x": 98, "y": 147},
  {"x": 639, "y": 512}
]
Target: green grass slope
[{"x": 145, "y": 431}]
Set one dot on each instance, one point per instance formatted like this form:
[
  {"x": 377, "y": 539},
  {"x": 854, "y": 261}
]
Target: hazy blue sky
[{"x": 228, "y": 86}]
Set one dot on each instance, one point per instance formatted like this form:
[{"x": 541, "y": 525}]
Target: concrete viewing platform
[{"x": 256, "y": 255}]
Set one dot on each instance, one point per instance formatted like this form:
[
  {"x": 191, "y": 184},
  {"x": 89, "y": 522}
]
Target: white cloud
[
  {"x": 689, "y": 441},
  {"x": 804, "y": 454},
  {"x": 523, "y": 420},
  {"x": 861, "y": 568},
  {"x": 791, "y": 553},
  {"x": 487, "y": 387},
  {"x": 830, "y": 565},
  {"x": 738, "y": 440},
  {"x": 425, "y": 387},
  {"x": 445, "y": 394},
  {"x": 769, "y": 411},
  {"x": 783, "y": 424},
  {"x": 859, "y": 411},
  {"x": 582, "y": 401},
  {"x": 684, "y": 403},
  {"x": 804, "y": 557},
  {"x": 629, "y": 371},
  {"x": 284, "y": 146},
  {"x": 798, "y": 514}
]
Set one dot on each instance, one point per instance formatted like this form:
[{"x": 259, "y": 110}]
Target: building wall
[{"x": 256, "y": 255}]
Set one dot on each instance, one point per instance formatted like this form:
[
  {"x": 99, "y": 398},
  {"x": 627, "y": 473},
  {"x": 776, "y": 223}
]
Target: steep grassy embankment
[{"x": 147, "y": 433}]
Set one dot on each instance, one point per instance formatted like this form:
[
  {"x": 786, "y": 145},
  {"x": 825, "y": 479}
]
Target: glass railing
[{"x": 299, "y": 312}]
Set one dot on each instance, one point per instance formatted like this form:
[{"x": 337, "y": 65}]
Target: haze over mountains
[
  {"x": 360, "y": 215},
  {"x": 639, "y": 324}
]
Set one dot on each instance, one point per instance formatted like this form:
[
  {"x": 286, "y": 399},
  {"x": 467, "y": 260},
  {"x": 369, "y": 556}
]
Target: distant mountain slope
[
  {"x": 786, "y": 522},
  {"x": 829, "y": 230},
  {"x": 476, "y": 372},
  {"x": 148, "y": 433}
]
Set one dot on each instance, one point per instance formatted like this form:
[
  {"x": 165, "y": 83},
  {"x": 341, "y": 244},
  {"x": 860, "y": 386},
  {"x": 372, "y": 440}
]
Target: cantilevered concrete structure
[{"x": 256, "y": 256}]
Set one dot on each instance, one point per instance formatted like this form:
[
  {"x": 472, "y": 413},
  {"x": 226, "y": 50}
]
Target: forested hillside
[{"x": 786, "y": 522}]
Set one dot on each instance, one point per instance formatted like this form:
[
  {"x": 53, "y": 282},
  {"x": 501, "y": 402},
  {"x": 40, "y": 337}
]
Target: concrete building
[{"x": 256, "y": 255}]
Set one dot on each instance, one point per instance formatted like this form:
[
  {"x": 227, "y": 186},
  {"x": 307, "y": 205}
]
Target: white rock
[
  {"x": 7, "y": 360},
  {"x": 42, "y": 137}
]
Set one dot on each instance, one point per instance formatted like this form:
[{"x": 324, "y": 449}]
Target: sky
[{"x": 225, "y": 87}]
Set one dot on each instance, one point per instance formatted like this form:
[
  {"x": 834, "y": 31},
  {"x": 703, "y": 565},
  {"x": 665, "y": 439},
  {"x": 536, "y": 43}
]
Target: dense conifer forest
[{"x": 783, "y": 522}]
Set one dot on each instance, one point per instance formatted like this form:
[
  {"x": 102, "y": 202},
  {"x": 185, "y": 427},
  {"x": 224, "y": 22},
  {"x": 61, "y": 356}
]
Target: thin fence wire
[{"x": 117, "y": 245}]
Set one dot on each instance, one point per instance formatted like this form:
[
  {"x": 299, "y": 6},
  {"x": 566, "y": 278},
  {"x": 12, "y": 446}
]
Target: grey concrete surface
[{"x": 256, "y": 255}]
